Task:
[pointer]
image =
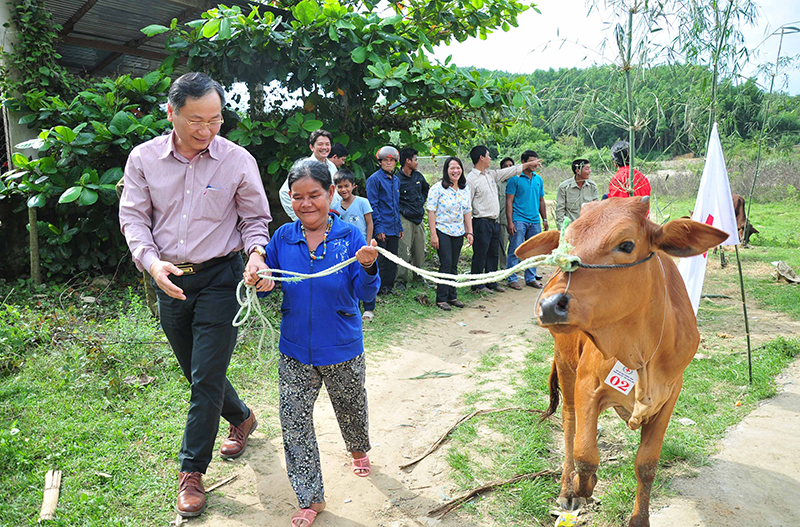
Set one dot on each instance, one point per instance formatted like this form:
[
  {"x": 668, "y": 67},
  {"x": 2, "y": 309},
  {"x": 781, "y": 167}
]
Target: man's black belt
[{"x": 192, "y": 268}]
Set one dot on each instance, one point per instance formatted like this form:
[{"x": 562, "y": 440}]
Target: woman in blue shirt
[
  {"x": 321, "y": 336},
  {"x": 450, "y": 219}
]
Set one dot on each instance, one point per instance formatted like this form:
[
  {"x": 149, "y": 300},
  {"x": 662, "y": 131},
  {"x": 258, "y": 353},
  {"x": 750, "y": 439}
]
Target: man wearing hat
[{"x": 383, "y": 193}]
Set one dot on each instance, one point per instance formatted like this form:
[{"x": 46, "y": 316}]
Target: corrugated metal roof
[{"x": 103, "y": 37}]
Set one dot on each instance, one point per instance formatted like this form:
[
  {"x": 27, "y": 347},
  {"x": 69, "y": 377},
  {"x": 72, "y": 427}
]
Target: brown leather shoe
[
  {"x": 236, "y": 441},
  {"x": 515, "y": 286},
  {"x": 191, "y": 495}
]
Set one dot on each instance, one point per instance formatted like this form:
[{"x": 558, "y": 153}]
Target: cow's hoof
[
  {"x": 571, "y": 504},
  {"x": 639, "y": 521}
]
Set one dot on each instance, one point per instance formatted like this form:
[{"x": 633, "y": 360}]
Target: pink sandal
[
  {"x": 304, "y": 518},
  {"x": 361, "y": 466}
]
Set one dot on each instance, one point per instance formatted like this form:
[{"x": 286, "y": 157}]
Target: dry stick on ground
[
  {"x": 52, "y": 484},
  {"x": 445, "y": 508},
  {"x": 225, "y": 481},
  {"x": 461, "y": 420}
]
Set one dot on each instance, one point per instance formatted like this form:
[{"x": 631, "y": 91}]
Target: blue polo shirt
[
  {"x": 383, "y": 193},
  {"x": 527, "y": 192}
]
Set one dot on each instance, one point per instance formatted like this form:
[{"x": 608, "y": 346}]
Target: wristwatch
[{"x": 259, "y": 250}]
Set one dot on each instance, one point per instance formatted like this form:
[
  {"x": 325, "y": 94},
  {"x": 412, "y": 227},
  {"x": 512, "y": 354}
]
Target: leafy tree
[{"x": 358, "y": 72}]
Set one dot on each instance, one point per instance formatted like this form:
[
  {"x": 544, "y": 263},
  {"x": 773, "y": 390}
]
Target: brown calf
[{"x": 636, "y": 311}]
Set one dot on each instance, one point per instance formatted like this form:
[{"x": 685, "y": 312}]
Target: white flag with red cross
[{"x": 714, "y": 206}]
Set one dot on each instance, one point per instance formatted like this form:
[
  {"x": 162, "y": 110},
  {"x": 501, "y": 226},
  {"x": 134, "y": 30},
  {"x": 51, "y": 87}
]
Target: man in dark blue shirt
[
  {"x": 383, "y": 193},
  {"x": 413, "y": 193}
]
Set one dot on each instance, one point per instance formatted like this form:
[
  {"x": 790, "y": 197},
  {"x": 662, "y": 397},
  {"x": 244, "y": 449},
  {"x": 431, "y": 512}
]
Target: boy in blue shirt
[
  {"x": 524, "y": 204},
  {"x": 356, "y": 211}
]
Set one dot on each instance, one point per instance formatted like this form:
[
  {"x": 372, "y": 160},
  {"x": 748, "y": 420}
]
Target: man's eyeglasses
[{"x": 199, "y": 125}]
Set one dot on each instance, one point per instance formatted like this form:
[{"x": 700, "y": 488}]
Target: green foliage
[
  {"x": 83, "y": 147},
  {"x": 16, "y": 337},
  {"x": 359, "y": 74}
]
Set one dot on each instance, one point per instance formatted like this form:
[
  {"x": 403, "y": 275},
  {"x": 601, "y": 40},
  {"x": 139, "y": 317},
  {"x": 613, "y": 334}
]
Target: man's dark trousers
[
  {"x": 201, "y": 335},
  {"x": 486, "y": 247},
  {"x": 387, "y": 268}
]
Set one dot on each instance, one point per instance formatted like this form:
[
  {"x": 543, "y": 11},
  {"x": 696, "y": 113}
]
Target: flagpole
[{"x": 746, "y": 322}]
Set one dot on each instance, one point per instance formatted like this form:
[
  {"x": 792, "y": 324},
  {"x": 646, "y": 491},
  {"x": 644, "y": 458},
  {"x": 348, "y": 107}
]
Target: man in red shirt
[{"x": 618, "y": 188}]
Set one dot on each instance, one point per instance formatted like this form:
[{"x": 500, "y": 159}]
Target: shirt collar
[{"x": 169, "y": 148}]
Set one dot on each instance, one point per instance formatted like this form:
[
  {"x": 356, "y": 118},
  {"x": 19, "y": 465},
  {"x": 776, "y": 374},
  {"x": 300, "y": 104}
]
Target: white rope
[{"x": 249, "y": 303}]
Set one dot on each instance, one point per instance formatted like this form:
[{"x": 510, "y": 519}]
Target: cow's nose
[{"x": 554, "y": 309}]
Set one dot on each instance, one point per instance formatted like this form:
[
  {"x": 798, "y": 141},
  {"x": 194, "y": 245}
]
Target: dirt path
[
  {"x": 406, "y": 417},
  {"x": 752, "y": 478}
]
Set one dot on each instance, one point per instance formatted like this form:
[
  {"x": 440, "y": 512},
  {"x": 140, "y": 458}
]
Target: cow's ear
[
  {"x": 542, "y": 243},
  {"x": 683, "y": 237}
]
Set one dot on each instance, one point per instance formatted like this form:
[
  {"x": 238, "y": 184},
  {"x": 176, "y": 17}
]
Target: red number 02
[{"x": 619, "y": 383}]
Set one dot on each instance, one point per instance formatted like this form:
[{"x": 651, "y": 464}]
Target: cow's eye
[{"x": 626, "y": 247}]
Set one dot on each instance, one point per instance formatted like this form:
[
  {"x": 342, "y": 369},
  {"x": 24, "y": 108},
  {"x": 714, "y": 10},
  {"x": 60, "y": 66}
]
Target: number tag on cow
[{"x": 621, "y": 378}]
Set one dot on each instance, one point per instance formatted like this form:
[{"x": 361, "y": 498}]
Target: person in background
[
  {"x": 618, "y": 187},
  {"x": 482, "y": 183},
  {"x": 192, "y": 201},
  {"x": 319, "y": 142},
  {"x": 316, "y": 349},
  {"x": 572, "y": 193},
  {"x": 450, "y": 220},
  {"x": 524, "y": 204},
  {"x": 413, "y": 192},
  {"x": 338, "y": 155},
  {"x": 501, "y": 218},
  {"x": 383, "y": 193},
  {"x": 356, "y": 211}
]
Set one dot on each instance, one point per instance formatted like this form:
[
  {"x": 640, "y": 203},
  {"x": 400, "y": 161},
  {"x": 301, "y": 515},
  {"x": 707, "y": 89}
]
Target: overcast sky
[{"x": 563, "y": 36}]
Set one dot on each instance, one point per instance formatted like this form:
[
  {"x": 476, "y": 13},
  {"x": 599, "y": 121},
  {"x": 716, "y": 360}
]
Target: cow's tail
[{"x": 555, "y": 398}]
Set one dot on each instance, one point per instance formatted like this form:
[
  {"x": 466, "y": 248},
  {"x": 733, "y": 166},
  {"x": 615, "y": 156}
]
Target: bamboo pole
[
  {"x": 52, "y": 486},
  {"x": 746, "y": 322}
]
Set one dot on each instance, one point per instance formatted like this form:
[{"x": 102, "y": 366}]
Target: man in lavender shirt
[{"x": 192, "y": 201}]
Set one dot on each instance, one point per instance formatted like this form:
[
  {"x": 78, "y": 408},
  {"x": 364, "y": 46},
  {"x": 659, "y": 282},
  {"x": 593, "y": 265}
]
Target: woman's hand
[
  {"x": 434, "y": 240},
  {"x": 367, "y": 255},
  {"x": 470, "y": 239}
]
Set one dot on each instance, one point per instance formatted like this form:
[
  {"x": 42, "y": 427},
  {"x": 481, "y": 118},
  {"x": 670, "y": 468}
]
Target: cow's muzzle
[{"x": 554, "y": 309}]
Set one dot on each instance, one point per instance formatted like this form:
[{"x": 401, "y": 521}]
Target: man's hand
[
  {"x": 254, "y": 264},
  {"x": 512, "y": 230},
  {"x": 545, "y": 225},
  {"x": 160, "y": 272},
  {"x": 367, "y": 255},
  {"x": 381, "y": 237},
  {"x": 400, "y": 237}
]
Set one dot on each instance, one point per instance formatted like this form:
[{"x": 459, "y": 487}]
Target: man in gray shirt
[
  {"x": 574, "y": 192},
  {"x": 482, "y": 182}
]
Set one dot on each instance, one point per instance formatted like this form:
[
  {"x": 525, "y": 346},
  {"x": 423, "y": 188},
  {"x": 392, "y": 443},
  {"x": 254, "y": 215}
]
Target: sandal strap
[{"x": 304, "y": 515}]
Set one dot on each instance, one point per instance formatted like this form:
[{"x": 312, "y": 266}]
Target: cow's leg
[
  {"x": 587, "y": 457},
  {"x": 647, "y": 460},
  {"x": 566, "y": 377}
]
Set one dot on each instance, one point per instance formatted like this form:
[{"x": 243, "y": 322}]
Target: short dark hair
[
  {"x": 345, "y": 174},
  {"x": 193, "y": 85},
  {"x": 312, "y": 168},
  {"x": 502, "y": 161},
  {"x": 316, "y": 134},
  {"x": 527, "y": 154},
  {"x": 578, "y": 165},
  {"x": 477, "y": 152},
  {"x": 338, "y": 150},
  {"x": 462, "y": 181},
  {"x": 407, "y": 154}
]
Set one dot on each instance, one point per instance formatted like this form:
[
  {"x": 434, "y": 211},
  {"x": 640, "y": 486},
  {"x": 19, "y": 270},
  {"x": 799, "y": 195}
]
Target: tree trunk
[
  {"x": 33, "y": 225},
  {"x": 257, "y": 101}
]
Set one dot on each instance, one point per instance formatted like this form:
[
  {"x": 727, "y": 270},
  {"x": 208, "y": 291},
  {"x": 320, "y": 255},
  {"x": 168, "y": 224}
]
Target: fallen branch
[
  {"x": 460, "y": 421},
  {"x": 225, "y": 481},
  {"x": 445, "y": 508},
  {"x": 52, "y": 485},
  {"x": 716, "y": 296}
]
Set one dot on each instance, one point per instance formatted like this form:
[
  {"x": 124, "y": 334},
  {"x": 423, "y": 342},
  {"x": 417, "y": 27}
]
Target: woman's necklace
[{"x": 324, "y": 240}]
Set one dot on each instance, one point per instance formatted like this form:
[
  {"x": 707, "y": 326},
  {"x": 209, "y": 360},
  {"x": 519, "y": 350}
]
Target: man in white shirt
[
  {"x": 320, "y": 144},
  {"x": 482, "y": 182}
]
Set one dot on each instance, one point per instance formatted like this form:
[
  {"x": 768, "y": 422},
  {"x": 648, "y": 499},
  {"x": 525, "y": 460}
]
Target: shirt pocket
[
  {"x": 215, "y": 203},
  {"x": 348, "y": 324}
]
